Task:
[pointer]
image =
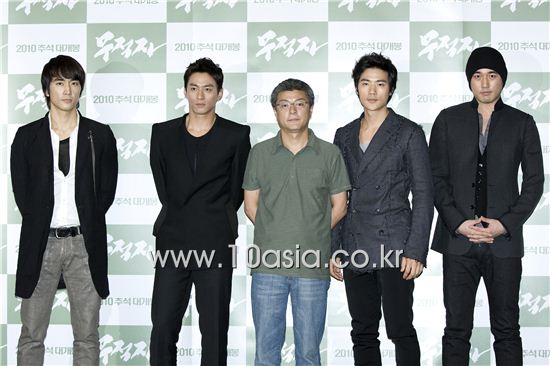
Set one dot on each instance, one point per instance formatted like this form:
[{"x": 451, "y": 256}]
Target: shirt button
[
  {"x": 353, "y": 211},
  {"x": 377, "y": 187},
  {"x": 377, "y": 210}
]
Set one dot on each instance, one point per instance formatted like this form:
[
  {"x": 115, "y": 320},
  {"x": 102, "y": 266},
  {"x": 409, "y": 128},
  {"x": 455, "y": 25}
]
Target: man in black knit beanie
[{"x": 476, "y": 149}]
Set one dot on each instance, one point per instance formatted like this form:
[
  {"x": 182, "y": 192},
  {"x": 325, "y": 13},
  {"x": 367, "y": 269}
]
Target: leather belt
[{"x": 63, "y": 232}]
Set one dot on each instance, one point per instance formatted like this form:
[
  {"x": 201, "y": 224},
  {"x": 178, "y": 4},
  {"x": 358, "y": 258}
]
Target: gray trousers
[{"x": 67, "y": 256}]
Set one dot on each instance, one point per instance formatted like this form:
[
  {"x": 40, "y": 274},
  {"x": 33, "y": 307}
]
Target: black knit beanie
[{"x": 486, "y": 58}]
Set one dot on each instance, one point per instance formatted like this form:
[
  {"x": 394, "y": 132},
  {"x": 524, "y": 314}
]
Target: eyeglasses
[{"x": 298, "y": 104}]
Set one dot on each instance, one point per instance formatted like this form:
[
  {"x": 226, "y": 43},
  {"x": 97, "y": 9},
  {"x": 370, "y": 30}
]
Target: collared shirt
[
  {"x": 294, "y": 208},
  {"x": 64, "y": 209}
]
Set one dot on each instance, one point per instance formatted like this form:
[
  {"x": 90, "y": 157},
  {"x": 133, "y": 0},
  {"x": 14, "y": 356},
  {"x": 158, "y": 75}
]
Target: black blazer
[
  {"x": 32, "y": 181},
  {"x": 379, "y": 212},
  {"x": 513, "y": 140},
  {"x": 199, "y": 212}
]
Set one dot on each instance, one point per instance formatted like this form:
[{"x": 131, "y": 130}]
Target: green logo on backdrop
[
  {"x": 346, "y": 106},
  {"x": 3, "y": 344},
  {"x": 13, "y": 214},
  {"x": 3, "y": 49},
  {"x": 232, "y": 105},
  {"x": 130, "y": 249},
  {"x": 206, "y": 11},
  {"x": 3, "y": 248},
  {"x": 47, "y": 11},
  {"x": 520, "y": 10},
  {"x": 337, "y": 307},
  {"x": 26, "y": 101},
  {"x": 287, "y": 46},
  {"x": 445, "y": 46},
  {"x": 237, "y": 308},
  {"x": 126, "y": 48},
  {"x": 132, "y": 142},
  {"x": 365, "y": 10},
  {"x": 288, "y": 354},
  {"x": 4, "y": 151},
  {"x": 124, "y": 345},
  {"x": 534, "y": 302},
  {"x": 260, "y": 132},
  {"x": 529, "y": 92},
  {"x": 60, "y": 307}
]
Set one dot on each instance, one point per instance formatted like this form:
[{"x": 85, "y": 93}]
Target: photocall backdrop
[{"x": 135, "y": 53}]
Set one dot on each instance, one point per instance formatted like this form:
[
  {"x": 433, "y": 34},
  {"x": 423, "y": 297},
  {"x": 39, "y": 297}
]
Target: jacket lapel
[
  {"x": 44, "y": 141},
  {"x": 84, "y": 141},
  {"x": 353, "y": 142},
  {"x": 388, "y": 128},
  {"x": 494, "y": 130}
]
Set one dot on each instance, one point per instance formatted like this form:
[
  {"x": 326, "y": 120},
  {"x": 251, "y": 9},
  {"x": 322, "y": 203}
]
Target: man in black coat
[
  {"x": 64, "y": 174},
  {"x": 476, "y": 149},
  {"x": 198, "y": 163}
]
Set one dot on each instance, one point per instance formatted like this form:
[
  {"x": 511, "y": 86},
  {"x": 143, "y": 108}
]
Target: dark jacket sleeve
[
  {"x": 109, "y": 170},
  {"x": 439, "y": 159},
  {"x": 337, "y": 231},
  {"x": 19, "y": 170},
  {"x": 418, "y": 166},
  {"x": 158, "y": 166},
  {"x": 238, "y": 167},
  {"x": 532, "y": 185}
]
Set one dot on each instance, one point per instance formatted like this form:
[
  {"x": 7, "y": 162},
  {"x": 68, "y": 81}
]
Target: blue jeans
[{"x": 309, "y": 306}]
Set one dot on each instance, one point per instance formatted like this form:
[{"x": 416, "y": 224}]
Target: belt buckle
[{"x": 64, "y": 230}]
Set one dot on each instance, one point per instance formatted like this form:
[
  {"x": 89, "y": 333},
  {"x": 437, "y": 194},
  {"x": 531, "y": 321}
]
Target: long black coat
[
  {"x": 395, "y": 164},
  {"x": 513, "y": 141},
  {"x": 32, "y": 181},
  {"x": 199, "y": 211}
]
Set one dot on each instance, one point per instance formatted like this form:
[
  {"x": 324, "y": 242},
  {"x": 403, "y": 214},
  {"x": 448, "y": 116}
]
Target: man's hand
[
  {"x": 411, "y": 268},
  {"x": 476, "y": 234},
  {"x": 493, "y": 229},
  {"x": 335, "y": 270}
]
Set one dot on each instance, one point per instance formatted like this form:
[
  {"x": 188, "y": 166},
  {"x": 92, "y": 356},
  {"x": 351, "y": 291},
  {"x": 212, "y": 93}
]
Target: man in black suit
[
  {"x": 387, "y": 159},
  {"x": 64, "y": 175},
  {"x": 476, "y": 149},
  {"x": 198, "y": 162}
]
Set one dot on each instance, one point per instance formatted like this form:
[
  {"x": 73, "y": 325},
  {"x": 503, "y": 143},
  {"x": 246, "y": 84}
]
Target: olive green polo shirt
[{"x": 292, "y": 229}]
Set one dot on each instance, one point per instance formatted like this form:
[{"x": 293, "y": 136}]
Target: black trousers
[
  {"x": 502, "y": 276},
  {"x": 367, "y": 293},
  {"x": 171, "y": 291}
]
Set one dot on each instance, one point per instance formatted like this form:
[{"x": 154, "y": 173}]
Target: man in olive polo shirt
[{"x": 295, "y": 192}]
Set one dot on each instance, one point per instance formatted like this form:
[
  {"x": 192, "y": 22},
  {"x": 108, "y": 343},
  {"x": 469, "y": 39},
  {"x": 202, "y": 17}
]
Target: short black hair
[
  {"x": 204, "y": 65},
  {"x": 289, "y": 85},
  {"x": 379, "y": 61},
  {"x": 61, "y": 66}
]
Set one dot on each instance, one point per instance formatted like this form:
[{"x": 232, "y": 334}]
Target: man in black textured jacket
[
  {"x": 476, "y": 149},
  {"x": 387, "y": 159}
]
